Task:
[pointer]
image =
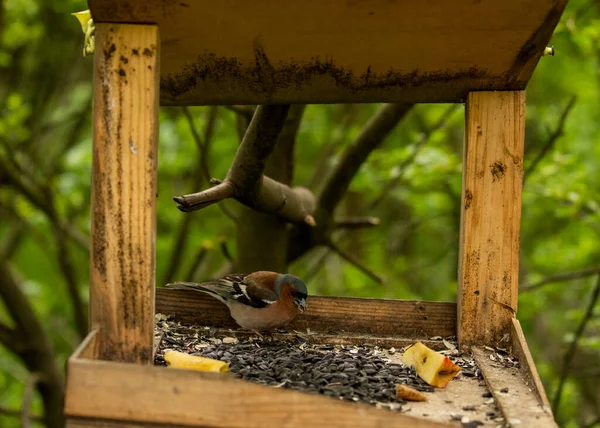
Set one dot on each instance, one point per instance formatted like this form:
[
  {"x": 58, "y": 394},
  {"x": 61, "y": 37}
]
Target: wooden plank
[
  {"x": 331, "y": 51},
  {"x": 519, "y": 403},
  {"x": 381, "y": 317},
  {"x": 100, "y": 423},
  {"x": 126, "y": 71},
  {"x": 139, "y": 394},
  {"x": 521, "y": 351},
  {"x": 87, "y": 348},
  {"x": 490, "y": 216}
]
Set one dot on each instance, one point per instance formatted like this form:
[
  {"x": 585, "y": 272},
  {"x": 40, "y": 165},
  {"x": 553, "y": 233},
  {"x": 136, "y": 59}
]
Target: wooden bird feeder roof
[{"x": 332, "y": 51}]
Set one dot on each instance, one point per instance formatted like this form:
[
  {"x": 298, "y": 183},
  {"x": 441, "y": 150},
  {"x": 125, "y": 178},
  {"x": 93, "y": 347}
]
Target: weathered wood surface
[
  {"x": 330, "y": 51},
  {"x": 490, "y": 216},
  {"x": 381, "y": 317},
  {"x": 518, "y": 403},
  {"x": 521, "y": 351},
  {"x": 140, "y": 394},
  {"x": 99, "y": 423},
  {"x": 122, "y": 256},
  {"x": 87, "y": 348}
]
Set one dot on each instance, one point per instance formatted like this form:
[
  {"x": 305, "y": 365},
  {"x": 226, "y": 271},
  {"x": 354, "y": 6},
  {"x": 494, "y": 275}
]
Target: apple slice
[
  {"x": 409, "y": 394},
  {"x": 180, "y": 360},
  {"x": 431, "y": 366}
]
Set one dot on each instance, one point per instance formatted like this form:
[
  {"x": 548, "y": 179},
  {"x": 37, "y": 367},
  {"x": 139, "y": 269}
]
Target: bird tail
[{"x": 203, "y": 288}]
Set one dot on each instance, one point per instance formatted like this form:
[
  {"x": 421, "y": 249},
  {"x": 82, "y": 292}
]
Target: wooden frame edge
[
  {"x": 517, "y": 401},
  {"x": 87, "y": 347},
  {"x": 102, "y": 390},
  {"x": 521, "y": 350}
]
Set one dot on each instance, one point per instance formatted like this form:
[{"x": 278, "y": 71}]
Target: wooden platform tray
[
  {"x": 101, "y": 393},
  {"x": 331, "y": 51}
]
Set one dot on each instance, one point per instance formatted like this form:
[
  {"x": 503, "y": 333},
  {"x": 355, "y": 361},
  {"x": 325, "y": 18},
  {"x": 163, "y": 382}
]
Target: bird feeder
[{"x": 194, "y": 52}]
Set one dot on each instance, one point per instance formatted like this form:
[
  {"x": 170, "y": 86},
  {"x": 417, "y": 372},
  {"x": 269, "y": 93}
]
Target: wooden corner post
[
  {"x": 124, "y": 176},
  {"x": 490, "y": 217}
]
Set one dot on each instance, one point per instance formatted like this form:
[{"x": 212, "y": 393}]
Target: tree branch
[
  {"x": 225, "y": 250},
  {"x": 371, "y": 137},
  {"x": 356, "y": 263},
  {"x": 203, "y": 151},
  {"x": 564, "y": 373},
  {"x": 443, "y": 120},
  {"x": 11, "y": 242},
  {"x": 36, "y": 351},
  {"x": 245, "y": 180},
  {"x": 32, "y": 381},
  {"x": 16, "y": 413},
  {"x": 65, "y": 262},
  {"x": 203, "y": 173},
  {"x": 189, "y": 277},
  {"x": 565, "y": 276},
  {"x": 245, "y": 111},
  {"x": 337, "y": 183},
  {"x": 197, "y": 201},
  {"x": 9, "y": 337},
  {"x": 40, "y": 199},
  {"x": 356, "y": 222},
  {"x": 558, "y": 132}
]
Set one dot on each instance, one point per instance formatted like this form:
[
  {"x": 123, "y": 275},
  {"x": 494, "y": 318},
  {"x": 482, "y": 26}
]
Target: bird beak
[{"x": 301, "y": 305}]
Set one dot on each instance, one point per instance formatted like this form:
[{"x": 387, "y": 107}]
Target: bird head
[{"x": 297, "y": 289}]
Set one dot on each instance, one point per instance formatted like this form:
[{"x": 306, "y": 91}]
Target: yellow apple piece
[
  {"x": 180, "y": 360},
  {"x": 431, "y": 366}
]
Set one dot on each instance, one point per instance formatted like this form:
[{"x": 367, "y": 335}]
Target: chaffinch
[{"x": 258, "y": 301}]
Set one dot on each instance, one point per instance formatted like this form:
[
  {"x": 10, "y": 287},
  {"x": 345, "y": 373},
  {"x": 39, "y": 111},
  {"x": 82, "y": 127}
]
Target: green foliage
[{"x": 45, "y": 110}]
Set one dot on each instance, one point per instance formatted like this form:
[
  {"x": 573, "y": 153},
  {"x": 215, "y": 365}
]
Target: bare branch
[
  {"x": 9, "y": 337},
  {"x": 245, "y": 180},
  {"x": 40, "y": 199},
  {"x": 11, "y": 242},
  {"x": 558, "y": 132},
  {"x": 371, "y": 137},
  {"x": 32, "y": 381},
  {"x": 356, "y": 222},
  {"x": 225, "y": 250},
  {"x": 65, "y": 262},
  {"x": 36, "y": 350},
  {"x": 203, "y": 144},
  {"x": 245, "y": 111},
  {"x": 443, "y": 120},
  {"x": 565, "y": 276},
  {"x": 318, "y": 265},
  {"x": 377, "y": 278},
  {"x": 197, "y": 201},
  {"x": 200, "y": 256},
  {"x": 203, "y": 151},
  {"x": 4, "y": 411},
  {"x": 568, "y": 358}
]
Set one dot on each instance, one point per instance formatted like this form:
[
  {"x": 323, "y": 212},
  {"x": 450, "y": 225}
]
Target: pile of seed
[{"x": 352, "y": 373}]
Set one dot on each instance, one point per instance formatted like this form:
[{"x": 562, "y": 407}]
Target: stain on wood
[
  {"x": 490, "y": 220},
  {"x": 123, "y": 194},
  {"x": 262, "y": 78},
  {"x": 315, "y": 51},
  {"x": 497, "y": 169}
]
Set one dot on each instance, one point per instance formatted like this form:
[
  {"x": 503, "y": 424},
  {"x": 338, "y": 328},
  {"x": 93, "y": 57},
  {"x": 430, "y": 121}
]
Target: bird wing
[
  {"x": 245, "y": 290},
  {"x": 241, "y": 288}
]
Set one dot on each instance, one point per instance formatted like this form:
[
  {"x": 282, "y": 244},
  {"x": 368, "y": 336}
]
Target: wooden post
[
  {"x": 490, "y": 217},
  {"x": 126, "y": 100}
]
